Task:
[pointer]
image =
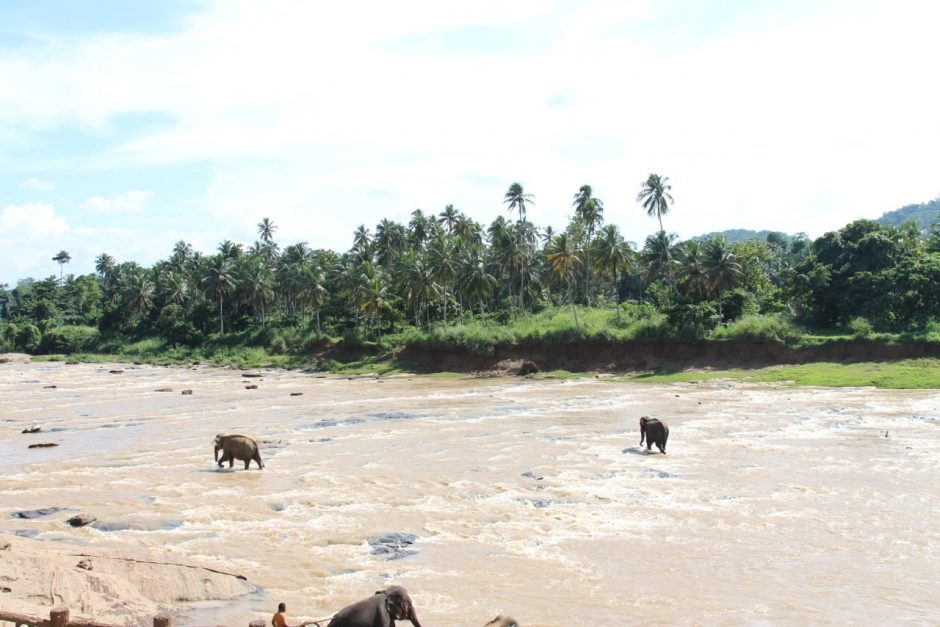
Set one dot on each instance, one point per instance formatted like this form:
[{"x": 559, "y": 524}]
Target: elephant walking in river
[
  {"x": 236, "y": 447},
  {"x": 382, "y": 609},
  {"x": 655, "y": 432}
]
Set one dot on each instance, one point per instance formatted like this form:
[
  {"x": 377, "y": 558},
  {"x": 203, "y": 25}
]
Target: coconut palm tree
[
  {"x": 220, "y": 280},
  {"x": 517, "y": 200},
  {"x": 390, "y": 241},
  {"x": 314, "y": 291},
  {"x": 655, "y": 196},
  {"x": 419, "y": 228},
  {"x": 362, "y": 241},
  {"x": 104, "y": 264},
  {"x": 610, "y": 253},
  {"x": 140, "y": 291},
  {"x": 658, "y": 256},
  {"x": 442, "y": 262},
  {"x": 564, "y": 260},
  {"x": 448, "y": 219},
  {"x": 266, "y": 230},
  {"x": 724, "y": 270},
  {"x": 693, "y": 275},
  {"x": 259, "y": 287},
  {"x": 474, "y": 278},
  {"x": 418, "y": 284},
  {"x": 590, "y": 212}
]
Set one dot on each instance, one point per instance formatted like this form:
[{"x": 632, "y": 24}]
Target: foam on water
[{"x": 521, "y": 495}]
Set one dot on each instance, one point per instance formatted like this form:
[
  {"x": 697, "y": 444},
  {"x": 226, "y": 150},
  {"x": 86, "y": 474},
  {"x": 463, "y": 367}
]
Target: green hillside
[{"x": 924, "y": 215}]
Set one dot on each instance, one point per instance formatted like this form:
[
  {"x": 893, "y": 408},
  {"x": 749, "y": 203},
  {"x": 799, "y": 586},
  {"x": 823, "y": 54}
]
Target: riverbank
[{"x": 836, "y": 362}]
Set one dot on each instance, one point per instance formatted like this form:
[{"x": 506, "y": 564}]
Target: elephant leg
[
  {"x": 260, "y": 463},
  {"x": 231, "y": 461},
  {"x": 247, "y": 463}
]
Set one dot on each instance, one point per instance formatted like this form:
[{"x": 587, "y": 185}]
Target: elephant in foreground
[
  {"x": 380, "y": 610},
  {"x": 655, "y": 432},
  {"x": 236, "y": 447}
]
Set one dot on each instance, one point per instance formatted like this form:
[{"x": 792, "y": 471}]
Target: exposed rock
[
  {"x": 49, "y": 387},
  {"x": 115, "y": 372},
  {"x": 187, "y": 392},
  {"x": 527, "y": 367},
  {"x": 392, "y": 545},
  {"x": 296, "y": 393},
  {"x": 163, "y": 390},
  {"x": 34, "y": 429},
  {"x": 29, "y": 514},
  {"x": 80, "y": 520},
  {"x": 531, "y": 475},
  {"x": 43, "y": 445},
  {"x": 251, "y": 387},
  {"x": 84, "y": 564},
  {"x": 4, "y": 546},
  {"x": 252, "y": 375}
]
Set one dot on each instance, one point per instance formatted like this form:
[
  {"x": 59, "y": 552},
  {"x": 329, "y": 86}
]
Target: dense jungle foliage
[{"x": 445, "y": 276}]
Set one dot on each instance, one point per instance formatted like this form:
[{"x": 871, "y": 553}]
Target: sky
[{"x": 128, "y": 126}]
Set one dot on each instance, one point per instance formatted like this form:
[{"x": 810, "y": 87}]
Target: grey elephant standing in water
[
  {"x": 655, "y": 431},
  {"x": 236, "y": 447},
  {"x": 380, "y": 610}
]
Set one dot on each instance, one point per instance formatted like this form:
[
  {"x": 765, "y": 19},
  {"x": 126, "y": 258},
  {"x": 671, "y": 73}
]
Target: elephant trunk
[{"x": 215, "y": 453}]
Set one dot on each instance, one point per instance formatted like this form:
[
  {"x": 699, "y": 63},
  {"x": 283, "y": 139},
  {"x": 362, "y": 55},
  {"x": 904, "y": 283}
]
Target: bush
[
  {"x": 27, "y": 338},
  {"x": 68, "y": 339},
  {"x": 775, "y": 328},
  {"x": 693, "y": 320},
  {"x": 861, "y": 328}
]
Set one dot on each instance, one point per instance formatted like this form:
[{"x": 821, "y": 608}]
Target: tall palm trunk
[{"x": 221, "y": 319}]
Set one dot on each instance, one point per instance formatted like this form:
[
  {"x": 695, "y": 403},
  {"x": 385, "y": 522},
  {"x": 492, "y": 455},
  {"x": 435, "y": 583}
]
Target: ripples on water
[{"x": 774, "y": 505}]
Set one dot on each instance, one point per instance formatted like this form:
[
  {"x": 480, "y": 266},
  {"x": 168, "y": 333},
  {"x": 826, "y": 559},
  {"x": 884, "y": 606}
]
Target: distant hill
[
  {"x": 742, "y": 235},
  {"x": 924, "y": 215}
]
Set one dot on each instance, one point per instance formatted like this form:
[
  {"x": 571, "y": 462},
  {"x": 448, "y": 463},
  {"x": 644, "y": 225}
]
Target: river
[{"x": 774, "y": 505}]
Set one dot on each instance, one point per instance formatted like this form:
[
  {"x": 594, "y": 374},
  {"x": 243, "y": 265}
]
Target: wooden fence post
[
  {"x": 59, "y": 617},
  {"x": 161, "y": 620}
]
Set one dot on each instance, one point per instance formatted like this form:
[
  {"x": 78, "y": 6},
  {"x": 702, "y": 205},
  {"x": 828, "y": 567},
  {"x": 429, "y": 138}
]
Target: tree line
[{"x": 445, "y": 268}]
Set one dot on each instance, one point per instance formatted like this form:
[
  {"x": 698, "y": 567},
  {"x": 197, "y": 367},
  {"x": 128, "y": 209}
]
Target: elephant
[
  {"x": 380, "y": 610},
  {"x": 655, "y": 432},
  {"x": 236, "y": 447},
  {"x": 502, "y": 621}
]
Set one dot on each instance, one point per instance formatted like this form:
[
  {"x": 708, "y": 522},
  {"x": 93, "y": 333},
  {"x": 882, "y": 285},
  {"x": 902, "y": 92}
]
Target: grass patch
[{"x": 908, "y": 374}]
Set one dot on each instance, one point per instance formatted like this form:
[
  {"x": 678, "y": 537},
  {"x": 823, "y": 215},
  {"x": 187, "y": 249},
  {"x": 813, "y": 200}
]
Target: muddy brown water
[{"x": 774, "y": 505}]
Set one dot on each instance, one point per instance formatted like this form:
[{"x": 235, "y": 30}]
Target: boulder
[
  {"x": 163, "y": 390},
  {"x": 187, "y": 392},
  {"x": 29, "y": 514},
  {"x": 43, "y": 445},
  {"x": 296, "y": 393},
  {"x": 33, "y": 429},
  {"x": 251, "y": 387},
  {"x": 115, "y": 372},
  {"x": 527, "y": 367},
  {"x": 80, "y": 520}
]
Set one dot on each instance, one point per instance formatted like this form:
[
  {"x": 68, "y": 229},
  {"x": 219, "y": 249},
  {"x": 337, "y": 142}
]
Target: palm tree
[
  {"x": 230, "y": 250},
  {"x": 418, "y": 284},
  {"x": 724, "y": 271},
  {"x": 362, "y": 239},
  {"x": 467, "y": 230},
  {"x": 693, "y": 272},
  {"x": 448, "y": 218},
  {"x": 474, "y": 278},
  {"x": 655, "y": 196},
  {"x": 517, "y": 200},
  {"x": 610, "y": 253},
  {"x": 564, "y": 259},
  {"x": 177, "y": 289},
  {"x": 259, "y": 287},
  {"x": 314, "y": 291},
  {"x": 419, "y": 229},
  {"x": 266, "y": 230},
  {"x": 62, "y": 258},
  {"x": 104, "y": 264},
  {"x": 657, "y": 255},
  {"x": 590, "y": 212},
  {"x": 221, "y": 281},
  {"x": 442, "y": 262},
  {"x": 390, "y": 241},
  {"x": 139, "y": 294}
]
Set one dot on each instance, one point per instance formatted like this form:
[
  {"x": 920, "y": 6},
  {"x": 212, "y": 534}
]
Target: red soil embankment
[{"x": 652, "y": 355}]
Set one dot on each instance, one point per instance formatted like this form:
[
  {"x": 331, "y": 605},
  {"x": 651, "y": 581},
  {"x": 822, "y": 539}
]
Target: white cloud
[
  {"x": 30, "y": 222},
  {"x": 131, "y": 201},
  {"x": 38, "y": 184},
  {"x": 310, "y": 116}
]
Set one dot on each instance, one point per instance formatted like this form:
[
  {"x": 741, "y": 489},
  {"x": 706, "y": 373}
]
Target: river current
[{"x": 774, "y": 505}]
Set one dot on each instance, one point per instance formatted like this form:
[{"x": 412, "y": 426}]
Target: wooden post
[
  {"x": 59, "y": 617},
  {"x": 161, "y": 620}
]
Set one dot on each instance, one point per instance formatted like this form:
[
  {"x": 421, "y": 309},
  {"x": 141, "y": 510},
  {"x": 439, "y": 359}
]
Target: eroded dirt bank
[{"x": 650, "y": 355}]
